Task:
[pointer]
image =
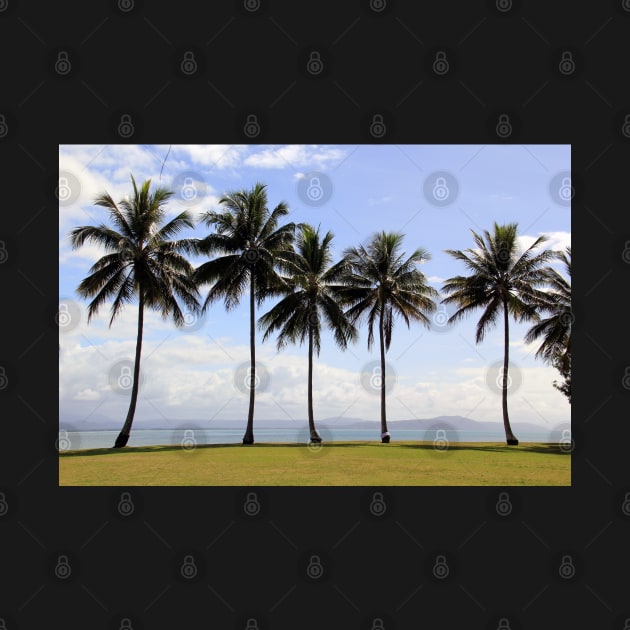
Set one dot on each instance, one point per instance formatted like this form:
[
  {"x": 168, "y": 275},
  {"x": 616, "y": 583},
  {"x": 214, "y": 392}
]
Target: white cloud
[
  {"x": 295, "y": 156},
  {"x": 377, "y": 201}
]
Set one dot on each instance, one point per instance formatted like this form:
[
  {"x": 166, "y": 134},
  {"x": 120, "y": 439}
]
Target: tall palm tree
[
  {"x": 141, "y": 263},
  {"x": 501, "y": 280},
  {"x": 382, "y": 282},
  {"x": 248, "y": 236},
  {"x": 314, "y": 297},
  {"x": 555, "y": 330}
]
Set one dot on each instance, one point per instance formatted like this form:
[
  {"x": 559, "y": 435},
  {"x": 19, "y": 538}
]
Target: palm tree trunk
[
  {"x": 248, "y": 438},
  {"x": 384, "y": 433},
  {"x": 311, "y": 420},
  {"x": 123, "y": 436},
  {"x": 511, "y": 439}
]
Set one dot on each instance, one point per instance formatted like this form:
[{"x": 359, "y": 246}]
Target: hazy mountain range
[{"x": 101, "y": 423}]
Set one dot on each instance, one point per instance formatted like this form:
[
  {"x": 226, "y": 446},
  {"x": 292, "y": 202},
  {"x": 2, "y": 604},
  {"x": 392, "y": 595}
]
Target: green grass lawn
[{"x": 334, "y": 464}]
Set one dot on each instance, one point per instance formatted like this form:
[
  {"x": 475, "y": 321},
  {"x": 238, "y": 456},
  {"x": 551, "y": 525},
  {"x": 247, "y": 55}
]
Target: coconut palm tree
[
  {"x": 381, "y": 282},
  {"x": 313, "y": 300},
  {"x": 248, "y": 236},
  {"x": 141, "y": 263},
  {"x": 555, "y": 330},
  {"x": 502, "y": 280}
]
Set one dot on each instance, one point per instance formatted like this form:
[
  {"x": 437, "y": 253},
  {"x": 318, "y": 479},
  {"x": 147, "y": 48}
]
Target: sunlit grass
[{"x": 333, "y": 464}]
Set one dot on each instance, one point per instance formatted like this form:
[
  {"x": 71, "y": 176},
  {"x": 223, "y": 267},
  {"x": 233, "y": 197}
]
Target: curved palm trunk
[
  {"x": 315, "y": 437},
  {"x": 123, "y": 436},
  {"x": 510, "y": 437},
  {"x": 384, "y": 438},
  {"x": 248, "y": 438}
]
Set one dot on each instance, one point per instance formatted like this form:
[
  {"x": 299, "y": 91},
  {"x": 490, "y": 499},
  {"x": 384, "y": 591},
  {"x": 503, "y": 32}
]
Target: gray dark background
[{"x": 504, "y": 58}]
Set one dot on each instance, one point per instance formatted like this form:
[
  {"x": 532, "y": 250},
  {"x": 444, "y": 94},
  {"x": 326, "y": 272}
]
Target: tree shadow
[{"x": 529, "y": 447}]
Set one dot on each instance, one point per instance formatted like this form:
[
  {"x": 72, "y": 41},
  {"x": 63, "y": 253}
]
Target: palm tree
[
  {"x": 248, "y": 235},
  {"x": 556, "y": 329},
  {"x": 141, "y": 262},
  {"x": 381, "y": 283},
  {"x": 314, "y": 296},
  {"x": 502, "y": 280}
]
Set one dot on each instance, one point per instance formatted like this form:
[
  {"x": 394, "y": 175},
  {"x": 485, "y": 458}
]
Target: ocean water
[{"x": 189, "y": 438}]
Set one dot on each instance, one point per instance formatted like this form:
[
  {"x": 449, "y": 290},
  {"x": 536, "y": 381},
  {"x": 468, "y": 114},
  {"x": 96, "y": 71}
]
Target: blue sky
[{"x": 434, "y": 194}]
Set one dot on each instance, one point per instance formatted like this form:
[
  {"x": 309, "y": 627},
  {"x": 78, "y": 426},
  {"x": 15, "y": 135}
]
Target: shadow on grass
[{"x": 544, "y": 448}]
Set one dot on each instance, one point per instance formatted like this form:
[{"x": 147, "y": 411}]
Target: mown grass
[{"x": 334, "y": 464}]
